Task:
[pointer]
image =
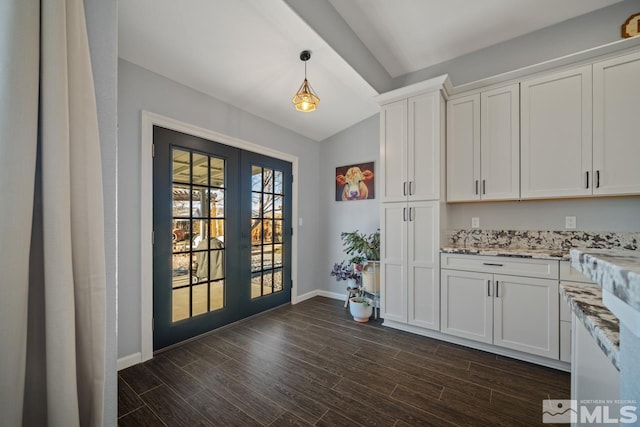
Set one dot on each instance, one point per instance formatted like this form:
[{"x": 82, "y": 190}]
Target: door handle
[
  {"x": 484, "y": 187},
  {"x": 497, "y": 289},
  {"x": 404, "y": 214},
  {"x": 597, "y": 179},
  {"x": 476, "y": 186},
  {"x": 404, "y": 188},
  {"x": 488, "y": 288},
  {"x": 410, "y": 188},
  {"x": 410, "y": 214},
  {"x": 492, "y": 264}
]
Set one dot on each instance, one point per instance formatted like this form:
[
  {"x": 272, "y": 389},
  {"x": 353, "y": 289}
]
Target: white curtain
[{"x": 52, "y": 268}]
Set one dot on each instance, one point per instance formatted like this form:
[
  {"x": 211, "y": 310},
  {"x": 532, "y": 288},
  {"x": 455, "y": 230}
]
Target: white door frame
[{"x": 146, "y": 209}]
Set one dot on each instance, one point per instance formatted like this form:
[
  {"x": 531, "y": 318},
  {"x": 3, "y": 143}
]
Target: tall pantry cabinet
[{"x": 412, "y": 123}]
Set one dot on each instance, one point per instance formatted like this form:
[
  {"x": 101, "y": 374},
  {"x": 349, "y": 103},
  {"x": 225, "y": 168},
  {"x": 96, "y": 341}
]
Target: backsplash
[{"x": 556, "y": 240}]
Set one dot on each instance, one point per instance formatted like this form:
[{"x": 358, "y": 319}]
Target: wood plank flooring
[{"x": 311, "y": 364}]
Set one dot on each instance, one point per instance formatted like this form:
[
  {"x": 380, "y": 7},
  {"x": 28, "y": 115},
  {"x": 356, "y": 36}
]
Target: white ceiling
[{"x": 246, "y": 52}]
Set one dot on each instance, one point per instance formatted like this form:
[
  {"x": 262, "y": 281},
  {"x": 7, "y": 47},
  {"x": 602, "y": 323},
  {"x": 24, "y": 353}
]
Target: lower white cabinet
[
  {"x": 515, "y": 312},
  {"x": 409, "y": 255}
]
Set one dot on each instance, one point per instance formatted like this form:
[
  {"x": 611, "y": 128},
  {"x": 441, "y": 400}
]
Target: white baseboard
[
  {"x": 130, "y": 360},
  {"x": 303, "y": 297},
  {"x": 332, "y": 295}
]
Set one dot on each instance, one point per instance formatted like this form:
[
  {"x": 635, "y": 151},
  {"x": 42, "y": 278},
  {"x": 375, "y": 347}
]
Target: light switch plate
[
  {"x": 570, "y": 222},
  {"x": 475, "y": 222}
]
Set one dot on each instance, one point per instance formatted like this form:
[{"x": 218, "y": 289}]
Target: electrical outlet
[
  {"x": 570, "y": 222},
  {"x": 475, "y": 222}
]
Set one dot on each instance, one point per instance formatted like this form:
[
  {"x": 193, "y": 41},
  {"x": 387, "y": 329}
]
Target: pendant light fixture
[{"x": 305, "y": 99}]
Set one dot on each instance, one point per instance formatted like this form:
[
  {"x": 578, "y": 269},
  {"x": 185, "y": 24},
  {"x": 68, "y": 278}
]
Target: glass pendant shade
[{"x": 305, "y": 100}]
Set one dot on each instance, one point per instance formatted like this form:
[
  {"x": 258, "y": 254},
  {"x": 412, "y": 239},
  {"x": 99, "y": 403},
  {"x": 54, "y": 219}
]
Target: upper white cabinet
[
  {"x": 463, "y": 149},
  {"x": 483, "y": 146},
  {"x": 410, "y": 148},
  {"x": 616, "y": 140},
  {"x": 556, "y": 135}
]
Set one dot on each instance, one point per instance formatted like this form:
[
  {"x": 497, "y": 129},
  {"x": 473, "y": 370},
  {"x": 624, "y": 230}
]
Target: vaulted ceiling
[{"x": 246, "y": 52}]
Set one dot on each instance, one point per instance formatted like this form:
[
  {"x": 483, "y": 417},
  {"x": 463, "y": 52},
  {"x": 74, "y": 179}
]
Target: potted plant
[
  {"x": 345, "y": 271},
  {"x": 360, "y": 308},
  {"x": 365, "y": 246}
]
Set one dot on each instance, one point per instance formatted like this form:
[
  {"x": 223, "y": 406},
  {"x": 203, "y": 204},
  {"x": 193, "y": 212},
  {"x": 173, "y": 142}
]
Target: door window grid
[
  {"x": 198, "y": 212},
  {"x": 267, "y": 216}
]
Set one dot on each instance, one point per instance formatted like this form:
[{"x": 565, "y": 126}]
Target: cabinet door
[
  {"x": 393, "y": 270},
  {"x": 500, "y": 144},
  {"x": 393, "y": 152},
  {"x": 463, "y": 149},
  {"x": 616, "y": 147},
  {"x": 423, "y": 265},
  {"x": 556, "y": 135},
  {"x": 467, "y": 304},
  {"x": 424, "y": 147},
  {"x": 526, "y": 315}
]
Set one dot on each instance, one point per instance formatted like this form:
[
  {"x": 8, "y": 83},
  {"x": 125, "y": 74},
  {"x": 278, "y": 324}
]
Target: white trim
[
  {"x": 437, "y": 83},
  {"x": 304, "y": 297},
  {"x": 531, "y": 358},
  {"x": 332, "y": 295},
  {"x": 130, "y": 360},
  {"x": 150, "y": 119}
]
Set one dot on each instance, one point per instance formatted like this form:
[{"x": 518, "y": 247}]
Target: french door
[{"x": 222, "y": 241}]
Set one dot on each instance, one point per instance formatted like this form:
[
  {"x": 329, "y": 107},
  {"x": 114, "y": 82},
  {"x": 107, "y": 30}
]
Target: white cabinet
[
  {"x": 410, "y": 148},
  {"x": 410, "y": 291},
  {"x": 515, "y": 312},
  {"x": 616, "y": 146},
  {"x": 556, "y": 138},
  {"x": 463, "y": 149},
  {"x": 483, "y": 146}
]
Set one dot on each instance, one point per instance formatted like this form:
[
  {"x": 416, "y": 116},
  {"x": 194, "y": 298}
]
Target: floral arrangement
[{"x": 344, "y": 271}]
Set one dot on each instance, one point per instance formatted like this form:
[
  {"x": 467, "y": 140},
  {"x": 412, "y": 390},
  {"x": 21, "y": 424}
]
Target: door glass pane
[
  {"x": 198, "y": 234},
  {"x": 267, "y": 204},
  {"x": 200, "y": 169},
  {"x": 216, "y": 292},
  {"x": 181, "y": 166}
]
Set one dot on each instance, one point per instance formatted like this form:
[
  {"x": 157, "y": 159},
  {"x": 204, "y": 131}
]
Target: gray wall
[
  {"x": 574, "y": 35},
  {"x": 102, "y": 29},
  {"x": 358, "y": 144},
  {"x": 606, "y": 214},
  {"x": 140, "y": 89}
]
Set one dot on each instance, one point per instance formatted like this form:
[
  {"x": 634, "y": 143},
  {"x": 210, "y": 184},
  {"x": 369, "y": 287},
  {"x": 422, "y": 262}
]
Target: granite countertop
[
  {"x": 586, "y": 303},
  {"x": 508, "y": 252},
  {"x": 617, "y": 271}
]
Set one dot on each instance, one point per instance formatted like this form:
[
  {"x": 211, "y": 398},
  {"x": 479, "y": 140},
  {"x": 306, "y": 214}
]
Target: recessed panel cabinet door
[
  {"x": 526, "y": 315},
  {"x": 424, "y": 147},
  {"x": 500, "y": 144},
  {"x": 556, "y": 135},
  {"x": 467, "y": 304},
  {"x": 616, "y": 138},
  {"x": 423, "y": 265},
  {"x": 393, "y": 152},
  {"x": 463, "y": 149},
  {"x": 393, "y": 268}
]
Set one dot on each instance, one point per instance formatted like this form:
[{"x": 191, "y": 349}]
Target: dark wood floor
[{"x": 310, "y": 364}]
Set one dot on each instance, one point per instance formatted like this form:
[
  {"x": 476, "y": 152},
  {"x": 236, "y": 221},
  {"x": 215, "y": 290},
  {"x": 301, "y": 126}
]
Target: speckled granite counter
[
  {"x": 617, "y": 271},
  {"x": 602, "y": 325},
  {"x": 508, "y": 252}
]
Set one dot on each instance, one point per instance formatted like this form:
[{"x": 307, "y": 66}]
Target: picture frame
[{"x": 355, "y": 182}]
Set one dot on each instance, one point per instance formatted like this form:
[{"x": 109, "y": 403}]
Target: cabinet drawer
[
  {"x": 568, "y": 273},
  {"x": 542, "y": 268}
]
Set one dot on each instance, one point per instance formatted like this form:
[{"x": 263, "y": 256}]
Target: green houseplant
[{"x": 360, "y": 245}]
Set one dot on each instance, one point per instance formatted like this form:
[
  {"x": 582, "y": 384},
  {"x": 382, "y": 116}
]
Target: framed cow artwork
[{"x": 355, "y": 182}]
